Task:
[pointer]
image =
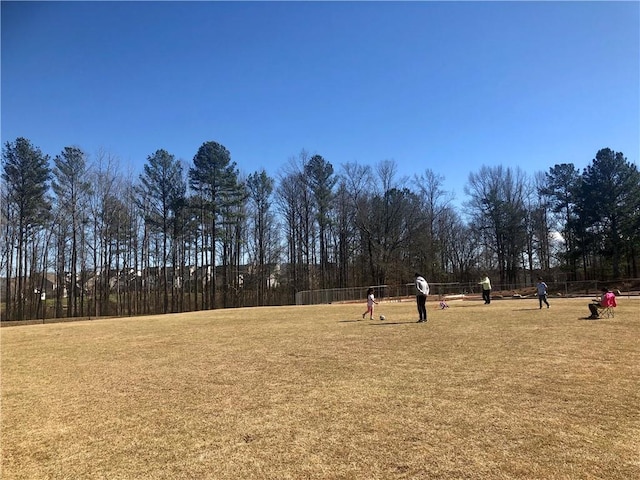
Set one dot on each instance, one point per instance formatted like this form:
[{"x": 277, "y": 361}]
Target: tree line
[{"x": 81, "y": 239}]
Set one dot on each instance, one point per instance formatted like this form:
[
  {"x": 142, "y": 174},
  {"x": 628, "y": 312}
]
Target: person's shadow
[
  {"x": 382, "y": 323},
  {"x": 376, "y": 323}
]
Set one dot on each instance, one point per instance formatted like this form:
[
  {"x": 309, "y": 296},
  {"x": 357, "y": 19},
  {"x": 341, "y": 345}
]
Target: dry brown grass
[{"x": 502, "y": 391}]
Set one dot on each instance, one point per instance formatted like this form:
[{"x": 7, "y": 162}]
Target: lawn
[{"x": 500, "y": 391}]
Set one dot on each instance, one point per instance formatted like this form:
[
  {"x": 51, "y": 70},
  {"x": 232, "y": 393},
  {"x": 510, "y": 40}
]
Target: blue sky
[{"x": 449, "y": 86}]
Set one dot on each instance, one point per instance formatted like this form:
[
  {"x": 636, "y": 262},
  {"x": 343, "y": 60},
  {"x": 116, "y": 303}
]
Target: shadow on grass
[
  {"x": 383, "y": 323},
  {"x": 375, "y": 323}
]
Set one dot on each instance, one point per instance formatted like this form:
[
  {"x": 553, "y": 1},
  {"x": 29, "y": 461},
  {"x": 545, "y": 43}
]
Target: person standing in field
[
  {"x": 486, "y": 289},
  {"x": 422, "y": 290},
  {"x": 542, "y": 292},
  {"x": 371, "y": 301}
]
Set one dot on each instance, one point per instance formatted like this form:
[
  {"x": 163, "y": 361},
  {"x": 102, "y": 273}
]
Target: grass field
[{"x": 500, "y": 391}]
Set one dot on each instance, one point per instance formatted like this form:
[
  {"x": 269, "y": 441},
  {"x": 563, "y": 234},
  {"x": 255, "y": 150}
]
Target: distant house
[{"x": 49, "y": 285}]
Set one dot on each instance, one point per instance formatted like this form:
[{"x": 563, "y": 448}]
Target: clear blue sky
[{"x": 449, "y": 86}]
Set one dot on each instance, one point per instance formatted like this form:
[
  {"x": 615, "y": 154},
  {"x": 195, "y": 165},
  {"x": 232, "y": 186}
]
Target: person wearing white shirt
[{"x": 422, "y": 290}]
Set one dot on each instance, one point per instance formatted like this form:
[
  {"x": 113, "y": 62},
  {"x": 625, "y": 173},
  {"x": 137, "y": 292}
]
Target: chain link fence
[
  {"x": 399, "y": 292},
  {"x": 381, "y": 292}
]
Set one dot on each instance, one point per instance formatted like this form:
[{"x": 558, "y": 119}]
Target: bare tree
[
  {"x": 460, "y": 245},
  {"x": 540, "y": 233},
  {"x": 294, "y": 204},
  {"x": 388, "y": 218},
  {"x": 344, "y": 235},
  {"x": 105, "y": 212},
  {"x": 497, "y": 207},
  {"x": 434, "y": 202}
]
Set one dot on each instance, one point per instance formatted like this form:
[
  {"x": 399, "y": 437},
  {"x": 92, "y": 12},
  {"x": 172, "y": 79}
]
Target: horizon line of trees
[{"x": 203, "y": 235}]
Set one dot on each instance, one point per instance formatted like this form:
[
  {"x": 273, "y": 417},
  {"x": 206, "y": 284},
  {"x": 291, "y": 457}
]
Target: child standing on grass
[
  {"x": 371, "y": 301},
  {"x": 542, "y": 292}
]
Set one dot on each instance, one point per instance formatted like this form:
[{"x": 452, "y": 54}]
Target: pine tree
[{"x": 26, "y": 175}]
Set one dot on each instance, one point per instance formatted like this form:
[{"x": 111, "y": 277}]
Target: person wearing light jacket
[
  {"x": 486, "y": 289},
  {"x": 542, "y": 292},
  {"x": 422, "y": 290}
]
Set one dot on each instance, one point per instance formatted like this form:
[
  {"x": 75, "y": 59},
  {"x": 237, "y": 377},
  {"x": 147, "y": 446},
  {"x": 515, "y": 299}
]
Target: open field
[{"x": 500, "y": 391}]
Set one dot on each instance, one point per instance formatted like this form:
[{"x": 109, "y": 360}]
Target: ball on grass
[{"x": 382, "y": 317}]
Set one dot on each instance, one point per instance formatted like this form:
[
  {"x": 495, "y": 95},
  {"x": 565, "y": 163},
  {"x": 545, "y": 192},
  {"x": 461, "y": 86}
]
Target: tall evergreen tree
[
  {"x": 345, "y": 235},
  {"x": 321, "y": 181},
  {"x": 71, "y": 188},
  {"x": 260, "y": 189},
  {"x": 26, "y": 175},
  {"x": 233, "y": 223},
  {"x": 163, "y": 186},
  {"x": 610, "y": 192},
  {"x": 561, "y": 188},
  {"x": 214, "y": 178}
]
